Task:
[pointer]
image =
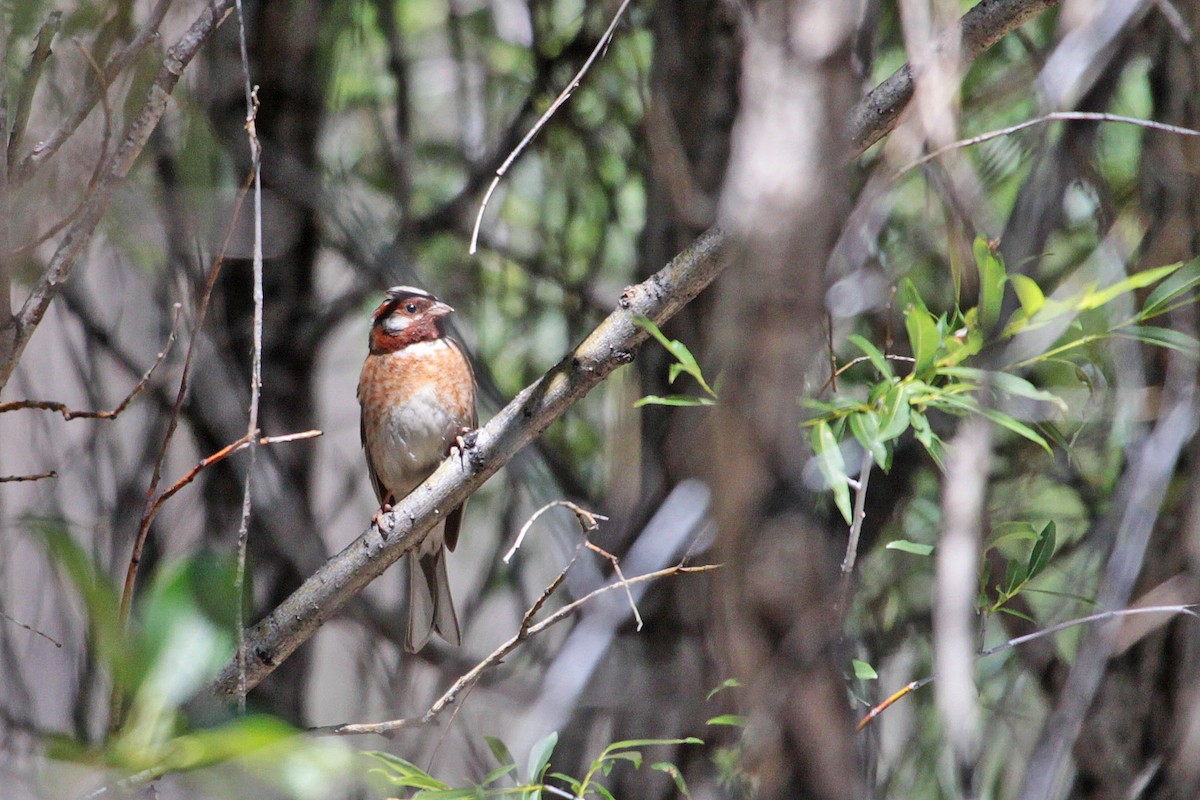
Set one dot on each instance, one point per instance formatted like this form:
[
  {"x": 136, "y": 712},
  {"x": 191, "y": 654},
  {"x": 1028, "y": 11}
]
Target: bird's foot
[
  {"x": 463, "y": 441},
  {"x": 377, "y": 518}
]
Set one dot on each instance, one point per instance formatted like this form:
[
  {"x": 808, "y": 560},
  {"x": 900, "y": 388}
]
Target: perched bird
[{"x": 417, "y": 393}]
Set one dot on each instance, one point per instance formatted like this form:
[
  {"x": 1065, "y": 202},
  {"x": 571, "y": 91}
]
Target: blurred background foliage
[{"x": 382, "y": 123}]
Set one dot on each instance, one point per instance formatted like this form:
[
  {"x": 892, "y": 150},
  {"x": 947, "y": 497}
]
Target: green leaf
[
  {"x": 863, "y": 671},
  {"x": 991, "y": 283},
  {"x": 1162, "y": 337},
  {"x": 865, "y": 427},
  {"x": 1043, "y": 549},
  {"x": 631, "y": 743},
  {"x": 1001, "y": 419},
  {"x": 1135, "y": 281},
  {"x": 676, "y": 775},
  {"x": 604, "y": 793},
  {"x": 1014, "y": 613},
  {"x": 1010, "y": 532},
  {"x": 539, "y": 755},
  {"x": 632, "y": 756},
  {"x": 905, "y": 546},
  {"x": 1029, "y": 293},
  {"x": 497, "y": 774},
  {"x": 733, "y": 720},
  {"x": 832, "y": 466},
  {"x": 1169, "y": 292},
  {"x": 728, "y": 683},
  {"x": 1066, "y": 596},
  {"x": 894, "y": 413},
  {"x": 873, "y": 354},
  {"x": 1015, "y": 574},
  {"x": 500, "y": 751},
  {"x": 923, "y": 337},
  {"x": 674, "y": 400}
]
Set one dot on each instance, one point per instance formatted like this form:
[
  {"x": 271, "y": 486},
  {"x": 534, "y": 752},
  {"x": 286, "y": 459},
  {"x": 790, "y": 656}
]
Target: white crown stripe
[{"x": 398, "y": 292}]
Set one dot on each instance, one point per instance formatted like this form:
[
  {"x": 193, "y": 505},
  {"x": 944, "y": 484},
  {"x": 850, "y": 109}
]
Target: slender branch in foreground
[
  {"x": 32, "y": 629},
  {"x": 68, "y": 414},
  {"x": 471, "y": 677},
  {"x": 29, "y": 83},
  {"x": 1102, "y": 616},
  {"x": 860, "y": 513},
  {"x": 1055, "y": 116},
  {"x": 256, "y": 357},
  {"x": 542, "y": 120},
  {"x": 39, "y": 476},
  {"x": 609, "y": 346},
  {"x": 588, "y": 520}
]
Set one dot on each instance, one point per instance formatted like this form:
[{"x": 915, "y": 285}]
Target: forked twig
[
  {"x": 543, "y": 119},
  {"x": 909, "y": 688},
  {"x": 472, "y": 677},
  {"x": 68, "y": 414},
  {"x": 587, "y": 520}
]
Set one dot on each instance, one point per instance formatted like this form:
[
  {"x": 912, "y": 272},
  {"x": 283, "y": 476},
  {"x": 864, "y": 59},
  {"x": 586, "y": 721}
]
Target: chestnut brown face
[{"x": 407, "y": 316}]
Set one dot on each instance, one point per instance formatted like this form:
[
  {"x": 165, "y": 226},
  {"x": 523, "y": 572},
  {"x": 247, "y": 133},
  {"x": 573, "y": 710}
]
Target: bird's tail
[{"x": 430, "y": 607}]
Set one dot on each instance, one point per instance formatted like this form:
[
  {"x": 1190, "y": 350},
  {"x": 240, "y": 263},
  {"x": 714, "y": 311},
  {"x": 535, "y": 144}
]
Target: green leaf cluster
[{"x": 685, "y": 364}]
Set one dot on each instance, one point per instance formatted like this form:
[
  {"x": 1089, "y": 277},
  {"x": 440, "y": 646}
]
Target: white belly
[{"x": 416, "y": 436}]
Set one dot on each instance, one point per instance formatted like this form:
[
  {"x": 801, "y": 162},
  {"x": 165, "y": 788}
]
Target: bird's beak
[{"x": 439, "y": 309}]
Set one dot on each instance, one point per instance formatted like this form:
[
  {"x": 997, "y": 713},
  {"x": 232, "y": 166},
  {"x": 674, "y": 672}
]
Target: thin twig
[
  {"x": 29, "y": 83},
  {"x": 837, "y": 373},
  {"x": 587, "y": 520},
  {"x": 68, "y": 414},
  {"x": 32, "y": 629},
  {"x": 35, "y": 477},
  {"x": 1175, "y": 20},
  {"x": 256, "y": 358},
  {"x": 471, "y": 677},
  {"x": 616, "y": 565},
  {"x": 543, "y": 119},
  {"x": 1055, "y": 116},
  {"x": 860, "y": 503},
  {"x": 1187, "y": 608}
]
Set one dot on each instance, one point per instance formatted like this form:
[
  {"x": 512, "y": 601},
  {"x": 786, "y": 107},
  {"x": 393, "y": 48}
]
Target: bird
[{"x": 417, "y": 395}]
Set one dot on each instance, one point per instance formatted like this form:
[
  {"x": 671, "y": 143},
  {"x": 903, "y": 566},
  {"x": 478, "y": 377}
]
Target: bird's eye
[{"x": 411, "y": 308}]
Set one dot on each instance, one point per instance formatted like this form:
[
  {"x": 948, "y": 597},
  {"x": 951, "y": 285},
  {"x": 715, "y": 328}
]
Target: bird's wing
[{"x": 381, "y": 491}]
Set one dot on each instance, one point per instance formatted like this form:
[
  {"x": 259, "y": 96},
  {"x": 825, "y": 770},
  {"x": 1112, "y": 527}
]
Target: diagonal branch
[{"x": 609, "y": 346}]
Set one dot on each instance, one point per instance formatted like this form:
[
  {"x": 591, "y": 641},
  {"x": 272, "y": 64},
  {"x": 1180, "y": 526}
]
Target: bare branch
[
  {"x": 29, "y": 83},
  {"x": 35, "y": 477},
  {"x": 612, "y": 344},
  {"x": 68, "y": 414},
  {"x": 32, "y": 630},
  {"x": 587, "y": 520},
  {"x": 542, "y": 120}
]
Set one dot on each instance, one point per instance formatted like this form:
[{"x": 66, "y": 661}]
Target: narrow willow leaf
[
  {"x": 923, "y": 337},
  {"x": 1011, "y": 532},
  {"x": 832, "y": 466},
  {"x": 500, "y": 750},
  {"x": 1039, "y": 558},
  {"x": 1172, "y": 290},
  {"x": 539, "y": 756},
  {"x": 991, "y": 283},
  {"x": 1001, "y": 419},
  {"x": 682, "y": 400},
  {"x": 872, "y": 352},
  {"x": 1014, "y": 613},
  {"x": 863, "y": 671},
  {"x": 1135, "y": 281},
  {"x": 733, "y": 720},
  {"x": 728, "y": 683},
  {"x": 894, "y": 413},
  {"x": 676, "y": 775},
  {"x": 1029, "y": 293},
  {"x": 1014, "y": 575},
  {"x": 1162, "y": 337},
  {"x": 905, "y": 546},
  {"x": 865, "y": 427}
]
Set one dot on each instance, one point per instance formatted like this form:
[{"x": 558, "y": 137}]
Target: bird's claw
[{"x": 377, "y": 518}]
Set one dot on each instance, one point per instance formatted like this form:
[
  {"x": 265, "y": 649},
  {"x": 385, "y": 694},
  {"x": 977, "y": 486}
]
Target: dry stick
[
  {"x": 36, "y": 477},
  {"x": 29, "y": 82},
  {"x": 587, "y": 520},
  {"x": 1102, "y": 616},
  {"x": 831, "y": 381},
  {"x": 616, "y": 565},
  {"x": 92, "y": 93},
  {"x": 249, "y": 440},
  {"x": 33, "y": 630},
  {"x": 68, "y": 414},
  {"x": 543, "y": 119},
  {"x": 256, "y": 359},
  {"x": 860, "y": 503},
  {"x": 471, "y": 677},
  {"x": 612, "y": 344}
]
